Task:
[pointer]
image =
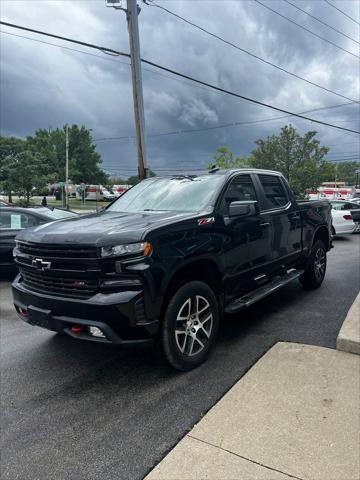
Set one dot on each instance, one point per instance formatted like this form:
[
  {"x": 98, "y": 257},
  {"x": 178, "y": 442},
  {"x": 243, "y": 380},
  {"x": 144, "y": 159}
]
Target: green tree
[
  {"x": 25, "y": 171},
  {"x": 84, "y": 160},
  {"x": 224, "y": 158},
  {"x": 345, "y": 172},
  {"x": 117, "y": 181},
  {"x": 299, "y": 158},
  {"x": 9, "y": 146},
  {"x": 135, "y": 179}
]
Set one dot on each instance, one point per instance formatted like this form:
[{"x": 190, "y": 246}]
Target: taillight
[{"x": 347, "y": 217}]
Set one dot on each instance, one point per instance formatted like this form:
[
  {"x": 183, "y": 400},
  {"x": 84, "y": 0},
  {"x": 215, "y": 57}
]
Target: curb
[{"x": 348, "y": 339}]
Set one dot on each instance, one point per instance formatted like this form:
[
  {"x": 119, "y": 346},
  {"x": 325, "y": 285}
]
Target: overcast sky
[{"x": 44, "y": 86}]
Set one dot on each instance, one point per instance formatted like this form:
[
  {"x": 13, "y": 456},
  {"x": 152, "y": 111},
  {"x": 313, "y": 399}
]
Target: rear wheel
[
  {"x": 316, "y": 266},
  {"x": 190, "y": 326}
]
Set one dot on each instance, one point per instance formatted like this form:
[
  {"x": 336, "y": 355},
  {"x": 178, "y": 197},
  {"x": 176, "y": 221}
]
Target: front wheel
[
  {"x": 316, "y": 267},
  {"x": 190, "y": 326}
]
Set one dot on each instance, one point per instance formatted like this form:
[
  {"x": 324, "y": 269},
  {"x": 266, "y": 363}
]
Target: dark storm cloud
[{"x": 45, "y": 86}]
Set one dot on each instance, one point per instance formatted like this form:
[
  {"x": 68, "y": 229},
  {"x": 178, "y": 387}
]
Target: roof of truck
[{"x": 219, "y": 171}]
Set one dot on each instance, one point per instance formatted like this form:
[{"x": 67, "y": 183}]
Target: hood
[{"x": 101, "y": 229}]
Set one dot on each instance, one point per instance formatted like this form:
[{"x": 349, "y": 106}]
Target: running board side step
[{"x": 262, "y": 292}]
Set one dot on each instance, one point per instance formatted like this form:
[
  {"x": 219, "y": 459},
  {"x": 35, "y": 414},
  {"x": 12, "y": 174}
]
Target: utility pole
[
  {"x": 133, "y": 26},
  {"x": 67, "y": 166},
  {"x": 132, "y": 13}
]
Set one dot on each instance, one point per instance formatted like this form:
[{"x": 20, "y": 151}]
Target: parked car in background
[
  {"x": 4, "y": 204},
  {"x": 345, "y": 215},
  {"x": 107, "y": 195},
  {"x": 14, "y": 219}
]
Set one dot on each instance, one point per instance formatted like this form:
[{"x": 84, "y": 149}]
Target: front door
[{"x": 246, "y": 240}]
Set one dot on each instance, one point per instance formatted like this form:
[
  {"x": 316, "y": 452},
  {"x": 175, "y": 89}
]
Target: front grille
[
  {"x": 57, "y": 251},
  {"x": 40, "y": 281}
]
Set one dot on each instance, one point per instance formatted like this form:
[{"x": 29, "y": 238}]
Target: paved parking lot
[{"x": 77, "y": 410}]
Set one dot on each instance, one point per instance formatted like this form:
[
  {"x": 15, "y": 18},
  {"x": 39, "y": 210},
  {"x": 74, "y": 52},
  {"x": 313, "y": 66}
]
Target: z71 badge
[{"x": 206, "y": 221}]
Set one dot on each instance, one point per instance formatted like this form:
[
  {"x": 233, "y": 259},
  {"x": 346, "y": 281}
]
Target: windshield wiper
[{"x": 153, "y": 210}]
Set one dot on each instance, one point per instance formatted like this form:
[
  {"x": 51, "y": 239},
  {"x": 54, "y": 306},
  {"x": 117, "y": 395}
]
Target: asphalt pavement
[{"x": 77, "y": 410}]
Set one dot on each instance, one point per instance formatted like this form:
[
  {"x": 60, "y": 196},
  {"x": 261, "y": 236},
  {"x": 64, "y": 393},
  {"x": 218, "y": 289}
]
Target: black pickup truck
[{"x": 168, "y": 258}]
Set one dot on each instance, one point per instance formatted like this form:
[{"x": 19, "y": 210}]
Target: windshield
[{"x": 185, "y": 194}]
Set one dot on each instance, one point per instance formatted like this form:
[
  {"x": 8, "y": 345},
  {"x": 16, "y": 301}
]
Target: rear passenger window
[
  {"x": 275, "y": 194},
  {"x": 16, "y": 221},
  {"x": 336, "y": 206},
  {"x": 241, "y": 188}
]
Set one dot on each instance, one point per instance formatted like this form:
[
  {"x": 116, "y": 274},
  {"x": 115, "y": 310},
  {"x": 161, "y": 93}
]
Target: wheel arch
[
  {"x": 322, "y": 233},
  {"x": 204, "y": 270}
]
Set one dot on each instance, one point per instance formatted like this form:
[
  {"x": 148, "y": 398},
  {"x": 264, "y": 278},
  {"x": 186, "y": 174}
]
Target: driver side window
[{"x": 241, "y": 188}]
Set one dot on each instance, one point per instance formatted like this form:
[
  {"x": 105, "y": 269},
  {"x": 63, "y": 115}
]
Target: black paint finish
[{"x": 229, "y": 252}]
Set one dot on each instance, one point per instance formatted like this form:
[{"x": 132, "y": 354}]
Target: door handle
[{"x": 264, "y": 225}]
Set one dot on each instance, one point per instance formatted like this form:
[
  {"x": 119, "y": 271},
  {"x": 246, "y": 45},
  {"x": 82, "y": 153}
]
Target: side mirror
[{"x": 243, "y": 208}]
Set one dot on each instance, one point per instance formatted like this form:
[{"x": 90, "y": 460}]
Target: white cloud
[{"x": 197, "y": 112}]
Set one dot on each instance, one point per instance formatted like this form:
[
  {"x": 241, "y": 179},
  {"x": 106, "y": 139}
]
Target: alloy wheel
[
  {"x": 320, "y": 263},
  {"x": 194, "y": 324}
]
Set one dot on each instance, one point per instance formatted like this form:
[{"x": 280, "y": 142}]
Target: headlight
[{"x": 130, "y": 249}]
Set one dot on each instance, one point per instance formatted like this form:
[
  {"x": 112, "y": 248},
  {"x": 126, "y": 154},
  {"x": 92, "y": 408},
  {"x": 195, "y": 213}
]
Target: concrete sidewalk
[
  {"x": 295, "y": 414},
  {"x": 348, "y": 339}
]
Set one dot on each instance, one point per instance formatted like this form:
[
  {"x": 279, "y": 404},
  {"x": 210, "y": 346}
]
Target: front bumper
[{"x": 120, "y": 316}]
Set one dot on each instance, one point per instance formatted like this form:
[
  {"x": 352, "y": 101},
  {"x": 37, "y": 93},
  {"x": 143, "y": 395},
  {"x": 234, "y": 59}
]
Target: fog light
[{"x": 96, "y": 332}]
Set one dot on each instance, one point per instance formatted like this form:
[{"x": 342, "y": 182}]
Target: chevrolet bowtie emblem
[{"x": 40, "y": 264}]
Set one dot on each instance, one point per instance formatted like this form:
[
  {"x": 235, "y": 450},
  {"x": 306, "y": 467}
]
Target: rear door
[{"x": 284, "y": 218}]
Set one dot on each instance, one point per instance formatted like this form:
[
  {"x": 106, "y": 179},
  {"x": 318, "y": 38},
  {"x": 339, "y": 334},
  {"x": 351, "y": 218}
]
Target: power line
[
  {"x": 67, "y": 39},
  {"x": 68, "y": 48},
  {"x": 257, "y": 102},
  {"x": 174, "y": 169},
  {"x": 306, "y": 29},
  {"x": 115, "y": 61},
  {"x": 226, "y": 125},
  {"x": 249, "y": 53},
  {"x": 338, "y": 9},
  {"x": 321, "y": 21},
  {"x": 188, "y": 77}
]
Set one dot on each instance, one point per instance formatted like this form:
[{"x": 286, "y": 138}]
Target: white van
[{"x": 120, "y": 189}]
